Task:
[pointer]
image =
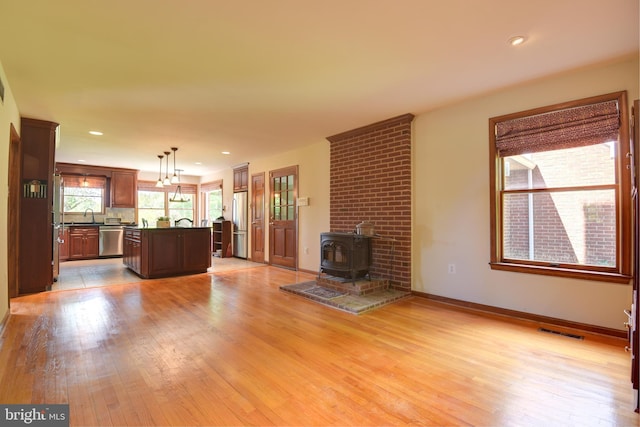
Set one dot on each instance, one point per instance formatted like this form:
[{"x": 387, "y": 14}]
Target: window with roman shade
[{"x": 560, "y": 190}]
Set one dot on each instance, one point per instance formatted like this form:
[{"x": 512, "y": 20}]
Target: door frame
[{"x": 13, "y": 213}]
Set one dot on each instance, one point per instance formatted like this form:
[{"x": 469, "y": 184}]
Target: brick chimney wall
[{"x": 370, "y": 180}]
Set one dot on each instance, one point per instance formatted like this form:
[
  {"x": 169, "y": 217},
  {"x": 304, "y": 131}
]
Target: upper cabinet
[
  {"x": 123, "y": 189},
  {"x": 122, "y": 184},
  {"x": 241, "y": 178}
]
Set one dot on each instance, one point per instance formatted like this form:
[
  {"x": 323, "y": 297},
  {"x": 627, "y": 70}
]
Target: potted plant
[{"x": 163, "y": 222}]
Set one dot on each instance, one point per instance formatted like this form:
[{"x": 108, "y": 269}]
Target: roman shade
[
  {"x": 571, "y": 127},
  {"x": 80, "y": 180},
  {"x": 211, "y": 186}
]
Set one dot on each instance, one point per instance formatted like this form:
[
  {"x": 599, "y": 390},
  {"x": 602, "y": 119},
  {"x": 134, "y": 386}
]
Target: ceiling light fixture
[
  {"x": 96, "y": 132},
  {"x": 226, "y": 152},
  {"x": 178, "y": 191},
  {"x": 85, "y": 183},
  {"x": 174, "y": 179},
  {"x": 167, "y": 181},
  {"x": 516, "y": 40},
  {"x": 159, "y": 183}
]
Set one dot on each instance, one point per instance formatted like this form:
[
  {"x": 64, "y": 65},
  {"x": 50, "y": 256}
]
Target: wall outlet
[{"x": 452, "y": 269}]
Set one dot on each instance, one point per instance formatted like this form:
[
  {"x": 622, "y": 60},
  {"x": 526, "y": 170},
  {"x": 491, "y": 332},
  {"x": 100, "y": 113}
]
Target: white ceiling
[{"x": 258, "y": 77}]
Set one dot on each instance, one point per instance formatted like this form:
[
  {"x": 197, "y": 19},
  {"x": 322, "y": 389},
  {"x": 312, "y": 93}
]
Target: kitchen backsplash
[{"x": 126, "y": 215}]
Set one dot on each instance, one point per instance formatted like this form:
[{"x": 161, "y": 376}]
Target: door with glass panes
[{"x": 283, "y": 219}]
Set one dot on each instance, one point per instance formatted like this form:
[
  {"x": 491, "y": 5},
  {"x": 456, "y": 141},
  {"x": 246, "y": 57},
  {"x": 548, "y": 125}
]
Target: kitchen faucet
[{"x": 93, "y": 218}]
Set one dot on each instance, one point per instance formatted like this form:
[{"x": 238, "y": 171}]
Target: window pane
[
  {"x": 214, "y": 204},
  {"x": 151, "y": 199},
  {"x": 178, "y": 210},
  {"x": 581, "y": 166},
  {"x": 79, "y": 199},
  {"x": 573, "y": 227}
]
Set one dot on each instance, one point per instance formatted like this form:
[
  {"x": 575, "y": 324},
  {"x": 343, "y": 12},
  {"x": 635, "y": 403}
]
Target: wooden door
[
  {"x": 283, "y": 217},
  {"x": 257, "y": 217}
]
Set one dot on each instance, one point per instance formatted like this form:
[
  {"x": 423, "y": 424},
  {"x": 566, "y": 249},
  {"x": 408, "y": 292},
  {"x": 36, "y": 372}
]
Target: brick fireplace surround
[{"x": 370, "y": 180}]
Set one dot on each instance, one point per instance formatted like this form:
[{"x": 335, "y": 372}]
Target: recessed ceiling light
[
  {"x": 95, "y": 132},
  {"x": 81, "y": 160},
  {"x": 198, "y": 163},
  {"x": 516, "y": 40},
  {"x": 226, "y": 152}
]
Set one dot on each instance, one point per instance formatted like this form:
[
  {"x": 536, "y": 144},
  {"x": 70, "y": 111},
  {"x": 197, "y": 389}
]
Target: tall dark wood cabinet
[{"x": 35, "y": 272}]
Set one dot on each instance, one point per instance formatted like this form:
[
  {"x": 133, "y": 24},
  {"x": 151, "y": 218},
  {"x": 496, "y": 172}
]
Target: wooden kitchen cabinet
[
  {"x": 132, "y": 249},
  {"x": 165, "y": 252},
  {"x": 241, "y": 178},
  {"x": 221, "y": 238},
  {"x": 84, "y": 242},
  {"x": 123, "y": 189},
  {"x": 63, "y": 247},
  {"x": 34, "y": 234}
]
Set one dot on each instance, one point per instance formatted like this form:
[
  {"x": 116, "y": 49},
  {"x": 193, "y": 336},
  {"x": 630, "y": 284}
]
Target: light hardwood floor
[{"x": 230, "y": 348}]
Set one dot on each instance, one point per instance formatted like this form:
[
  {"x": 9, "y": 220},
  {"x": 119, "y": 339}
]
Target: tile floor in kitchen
[{"x": 109, "y": 271}]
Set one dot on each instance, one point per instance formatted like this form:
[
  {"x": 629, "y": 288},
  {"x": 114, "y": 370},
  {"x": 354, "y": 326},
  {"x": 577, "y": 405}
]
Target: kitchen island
[{"x": 165, "y": 252}]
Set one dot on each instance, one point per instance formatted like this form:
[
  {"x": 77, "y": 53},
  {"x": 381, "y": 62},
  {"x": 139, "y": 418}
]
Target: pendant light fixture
[
  {"x": 159, "y": 183},
  {"x": 85, "y": 183},
  {"x": 167, "y": 181},
  {"x": 174, "y": 179},
  {"x": 178, "y": 191}
]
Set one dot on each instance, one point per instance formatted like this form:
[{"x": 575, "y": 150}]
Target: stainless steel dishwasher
[{"x": 111, "y": 240}]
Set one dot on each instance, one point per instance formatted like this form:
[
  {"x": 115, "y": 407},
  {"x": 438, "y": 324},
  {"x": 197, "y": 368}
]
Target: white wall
[
  {"x": 451, "y": 202},
  {"x": 8, "y": 114},
  {"x": 313, "y": 182}
]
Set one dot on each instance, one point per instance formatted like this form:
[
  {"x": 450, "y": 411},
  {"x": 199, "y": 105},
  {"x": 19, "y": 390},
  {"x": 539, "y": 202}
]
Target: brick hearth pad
[{"x": 355, "y": 304}]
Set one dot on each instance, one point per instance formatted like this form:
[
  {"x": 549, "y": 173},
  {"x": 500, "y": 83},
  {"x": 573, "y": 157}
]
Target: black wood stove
[{"x": 345, "y": 255}]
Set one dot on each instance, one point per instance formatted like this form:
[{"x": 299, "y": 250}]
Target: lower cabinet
[
  {"x": 132, "y": 249},
  {"x": 164, "y": 252},
  {"x": 63, "y": 246},
  {"x": 83, "y": 242}
]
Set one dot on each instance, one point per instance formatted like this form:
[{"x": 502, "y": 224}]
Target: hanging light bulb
[
  {"x": 167, "y": 181},
  {"x": 85, "y": 183},
  {"x": 174, "y": 179},
  {"x": 159, "y": 183}
]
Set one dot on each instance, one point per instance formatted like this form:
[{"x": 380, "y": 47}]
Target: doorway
[{"x": 283, "y": 217}]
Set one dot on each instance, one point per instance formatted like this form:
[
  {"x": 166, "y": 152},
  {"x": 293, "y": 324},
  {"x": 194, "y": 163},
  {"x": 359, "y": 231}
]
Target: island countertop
[{"x": 164, "y": 252}]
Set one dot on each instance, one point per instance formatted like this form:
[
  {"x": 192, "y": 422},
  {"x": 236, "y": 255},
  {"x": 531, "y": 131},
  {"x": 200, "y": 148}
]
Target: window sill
[{"x": 563, "y": 272}]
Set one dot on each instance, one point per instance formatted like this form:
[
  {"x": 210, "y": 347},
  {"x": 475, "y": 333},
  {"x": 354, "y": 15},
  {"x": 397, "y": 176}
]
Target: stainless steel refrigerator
[
  {"x": 57, "y": 222},
  {"x": 240, "y": 219}
]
